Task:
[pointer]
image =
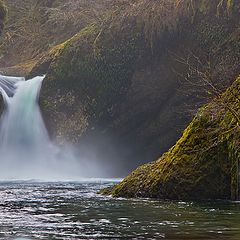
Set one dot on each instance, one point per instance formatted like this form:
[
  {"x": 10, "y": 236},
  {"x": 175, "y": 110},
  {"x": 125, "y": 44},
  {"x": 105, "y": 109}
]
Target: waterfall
[
  {"x": 21, "y": 124},
  {"x": 26, "y": 151}
]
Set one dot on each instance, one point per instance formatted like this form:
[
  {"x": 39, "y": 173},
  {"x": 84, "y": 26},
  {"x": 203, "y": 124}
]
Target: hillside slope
[{"x": 35, "y": 26}]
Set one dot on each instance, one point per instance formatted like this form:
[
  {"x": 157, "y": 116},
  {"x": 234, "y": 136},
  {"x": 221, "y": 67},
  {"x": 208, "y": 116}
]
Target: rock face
[
  {"x": 114, "y": 87},
  {"x": 204, "y": 162}
]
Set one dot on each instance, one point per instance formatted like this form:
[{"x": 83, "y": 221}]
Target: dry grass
[
  {"x": 35, "y": 26},
  {"x": 158, "y": 16}
]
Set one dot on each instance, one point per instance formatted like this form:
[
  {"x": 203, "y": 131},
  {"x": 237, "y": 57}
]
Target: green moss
[{"x": 201, "y": 165}]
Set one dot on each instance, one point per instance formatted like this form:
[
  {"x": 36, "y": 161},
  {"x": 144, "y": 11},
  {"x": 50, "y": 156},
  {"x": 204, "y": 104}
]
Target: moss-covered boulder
[
  {"x": 204, "y": 163},
  {"x": 117, "y": 84}
]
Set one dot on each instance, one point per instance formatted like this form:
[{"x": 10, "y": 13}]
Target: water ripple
[{"x": 75, "y": 211}]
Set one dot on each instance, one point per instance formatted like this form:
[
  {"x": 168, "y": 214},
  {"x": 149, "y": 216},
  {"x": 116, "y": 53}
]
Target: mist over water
[{"x": 26, "y": 151}]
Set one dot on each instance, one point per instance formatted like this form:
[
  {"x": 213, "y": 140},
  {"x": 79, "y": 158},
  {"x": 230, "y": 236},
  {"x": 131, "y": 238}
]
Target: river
[{"x": 74, "y": 210}]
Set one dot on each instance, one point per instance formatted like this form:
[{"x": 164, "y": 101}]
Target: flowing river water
[{"x": 74, "y": 210}]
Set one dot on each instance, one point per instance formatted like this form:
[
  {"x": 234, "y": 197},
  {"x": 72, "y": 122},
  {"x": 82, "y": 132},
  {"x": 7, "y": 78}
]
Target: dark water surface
[{"x": 73, "y": 210}]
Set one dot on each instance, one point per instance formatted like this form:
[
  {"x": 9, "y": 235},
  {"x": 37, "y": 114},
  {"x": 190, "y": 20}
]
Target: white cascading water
[
  {"x": 26, "y": 151},
  {"x": 22, "y": 124}
]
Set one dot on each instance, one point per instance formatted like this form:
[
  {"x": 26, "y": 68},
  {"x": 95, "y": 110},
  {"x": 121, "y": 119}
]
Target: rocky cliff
[
  {"x": 203, "y": 164},
  {"x": 121, "y": 84}
]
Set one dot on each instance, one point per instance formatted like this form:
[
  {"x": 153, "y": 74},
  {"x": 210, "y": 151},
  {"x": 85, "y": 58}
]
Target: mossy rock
[
  {"x": 94, "y": 67},
  {"x": 202, "y": 164},
  {"x": 97, "y": 66}
]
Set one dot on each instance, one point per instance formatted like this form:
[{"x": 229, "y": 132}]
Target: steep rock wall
[{"x": 204, "y": 163}]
